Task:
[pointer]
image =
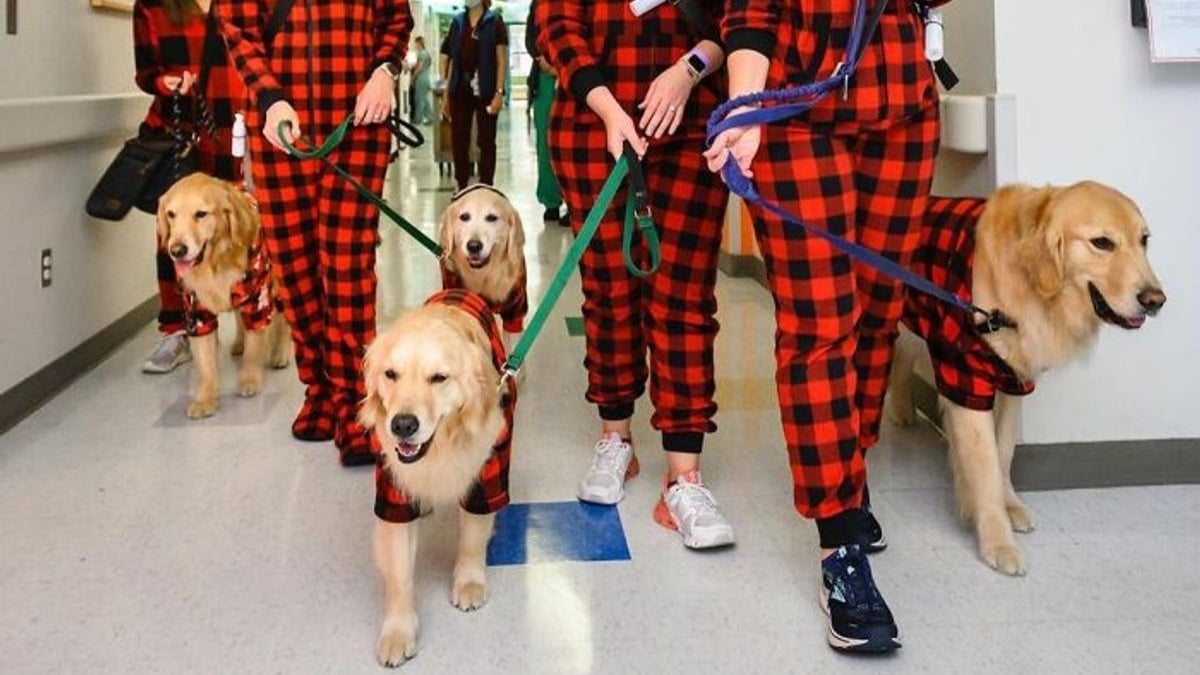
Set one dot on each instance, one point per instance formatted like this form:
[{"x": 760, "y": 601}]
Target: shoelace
[
  {"x": 859, "y": 586},
  {"x": 169, "y": 345},
  {"x": 697, "y": 499},
  {"x": 608, "y": 456}
]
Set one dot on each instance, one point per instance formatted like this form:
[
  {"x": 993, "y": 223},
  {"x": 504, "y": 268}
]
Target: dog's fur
[
  {"x": 207, "y": 226},
  {"x": 1037, "y": 251},
  {"x": 436, "y": 365},
  {"x": 484, "y": 219}
]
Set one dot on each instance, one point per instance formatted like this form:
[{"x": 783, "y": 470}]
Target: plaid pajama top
[
  {"x": 805, "y": 41},
  {"x": 250, "y": 297},
  {"x": 162, "y": 47},
  {"x": 967, "y": 370},
  {"x": 490, "y": 492},
  {"x": 602, "y": 43},
  {"x": 512, "y": 309}
]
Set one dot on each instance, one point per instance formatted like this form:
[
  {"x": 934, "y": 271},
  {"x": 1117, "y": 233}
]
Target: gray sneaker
[
  {"x": 612, "y": 464},
  {"x": 170, "y": 352},
  {"x": 688, "y": 507}
]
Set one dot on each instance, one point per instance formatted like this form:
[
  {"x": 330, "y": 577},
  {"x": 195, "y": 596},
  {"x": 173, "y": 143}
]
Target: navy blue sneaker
[
  {"x": 859, "y": 619},
  {"x": 870, "y": 538}
]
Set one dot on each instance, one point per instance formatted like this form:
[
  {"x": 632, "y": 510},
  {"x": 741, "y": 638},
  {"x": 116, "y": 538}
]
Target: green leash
[
  {"x": 637, "y": 214},
  {"x": 323, "y": 151}
]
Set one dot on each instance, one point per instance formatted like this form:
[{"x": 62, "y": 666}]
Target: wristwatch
[
  {"x": 393, "y": 71},
  {"x": 695, "y": 64}
]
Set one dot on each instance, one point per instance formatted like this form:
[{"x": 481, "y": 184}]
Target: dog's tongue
[
  {"x": 182, "y": 267},
  {"x": 407, "y": 450},
  {"x": 1135, "y": 321}
]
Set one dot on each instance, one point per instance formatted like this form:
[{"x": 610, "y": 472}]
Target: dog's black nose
[
  {"x": 404, "y": 426},
  {"x": 178, "y": 251},
  {"x": 1152, "y": 299},
  {"x": 474, "y": 246}
]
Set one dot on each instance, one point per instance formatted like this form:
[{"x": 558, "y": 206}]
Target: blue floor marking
[{"x": 557, "y": 531}]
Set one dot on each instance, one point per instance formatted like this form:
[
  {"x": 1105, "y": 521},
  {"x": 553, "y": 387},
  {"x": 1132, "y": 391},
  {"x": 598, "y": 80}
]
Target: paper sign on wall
[{"x": 1174, "y": 30}]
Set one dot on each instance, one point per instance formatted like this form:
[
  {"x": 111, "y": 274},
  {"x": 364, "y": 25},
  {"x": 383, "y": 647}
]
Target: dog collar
[
  {"x": 472, "y": 188},
  {"x": 995, "y": 320}
]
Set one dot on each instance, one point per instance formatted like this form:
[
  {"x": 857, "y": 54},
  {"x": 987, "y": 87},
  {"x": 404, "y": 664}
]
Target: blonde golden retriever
[
  {"x": 483, "y": 242},
  {"x": 434, "y": 402},
  {"x": 1059, "y": 262},
  {"x": 210, "y": 228}
]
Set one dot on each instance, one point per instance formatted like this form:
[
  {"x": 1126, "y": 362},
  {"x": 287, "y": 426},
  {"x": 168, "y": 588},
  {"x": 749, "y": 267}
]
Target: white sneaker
[
  {"x": 688, "y": 507},
  {"x": 612, "y": 465},
  {"x": 170, "y": 352}
]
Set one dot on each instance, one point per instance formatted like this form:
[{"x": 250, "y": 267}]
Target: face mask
[{"x": 472, "y": 4}]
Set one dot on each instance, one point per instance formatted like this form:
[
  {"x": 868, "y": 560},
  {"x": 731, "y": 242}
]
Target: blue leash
[{"x": 805, "y": 97}]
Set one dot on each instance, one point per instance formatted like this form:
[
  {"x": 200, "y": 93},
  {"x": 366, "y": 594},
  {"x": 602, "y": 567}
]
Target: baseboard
[
  {"x": 31, "y": 393},
  {"x": 1067, "y": 466},
  {"x": 750, "y": 266}
]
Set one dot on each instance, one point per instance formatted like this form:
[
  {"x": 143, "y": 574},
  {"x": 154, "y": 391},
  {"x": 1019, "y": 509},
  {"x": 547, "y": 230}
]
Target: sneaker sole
[
  {"x": 631, "y": 472},
  {"x": 876, "y": 644},
  {"x": 160, "y": 370},
  {"x": 662, "y": 516},
  {"x": 876, "y": 546}
]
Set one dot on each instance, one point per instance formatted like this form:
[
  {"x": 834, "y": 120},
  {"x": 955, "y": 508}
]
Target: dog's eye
[
  {"x": 171, "y": 215},
  {"x": 438, "y": 378},
  {"x": 390, "y": 374},
  {"x": 491, "y": 218},
  {"x": 464, "y": 216},
  {"x": 1145, "y": 240},
  {"x": 201, "y": 215},
  {"x": 1104, "y": 243}
]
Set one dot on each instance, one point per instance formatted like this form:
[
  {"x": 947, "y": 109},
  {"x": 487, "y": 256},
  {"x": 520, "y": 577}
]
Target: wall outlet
[{"x": 47, "y": 267}]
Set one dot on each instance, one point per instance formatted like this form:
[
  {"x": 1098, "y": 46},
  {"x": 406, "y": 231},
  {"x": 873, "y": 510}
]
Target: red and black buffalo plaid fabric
[
  {"x": 250, "y": 297},
  {"x": 490, "y": 492},
  {"x": 669, "y": 317},
  {"x": 967, "y": 370},
  {"x": 319, "y": 232},
  {"x": 511, "y": 309},
  {"x": 857, "y": 165}
]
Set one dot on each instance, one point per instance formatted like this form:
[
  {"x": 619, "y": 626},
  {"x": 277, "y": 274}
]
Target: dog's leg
[
  {"x": 395, "y": 554},
  {"x": 975, "y": 461},
  {"x": 1008, "y": 412},
  {"x": 899, "y": 404},
  {"x": 470, "y": 578},
  {"x": 250, "y": 375},
  {"x": 239, "y": 339},
  {"x": 204, "y": 350},
  {"x": 281, "y": 342}
]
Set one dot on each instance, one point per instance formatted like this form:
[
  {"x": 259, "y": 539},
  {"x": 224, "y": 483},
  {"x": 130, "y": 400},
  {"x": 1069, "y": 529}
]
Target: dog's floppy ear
[
  {"x": 240, "y": 215},
  {"x": 1041, "y": 251},
  {"x": 514, "y": 249},
  {"x": 446, "y": 236},
  {"x": 372, "y": 411},
  {"x": 162, "y": 228}
]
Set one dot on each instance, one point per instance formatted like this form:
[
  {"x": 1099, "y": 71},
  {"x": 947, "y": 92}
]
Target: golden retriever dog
[
  {"x": 1057, "y": 262},
  {"x": 210, "y": 228},
  {"x": 443, "y": 417},
  {"x": 483, "y": 242}
]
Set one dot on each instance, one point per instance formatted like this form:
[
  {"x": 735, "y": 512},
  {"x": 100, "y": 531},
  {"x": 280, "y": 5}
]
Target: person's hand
[
  {"x": 740, "y": 142},
  {"x": 496, "y": 104},
  {"x": 662, "y": 109},
  {"x": 281, "y": 111},
  {"x": 377, "y": 99},
  {"x": 446, "y": 105},
  {"x": 619, "y": 128},
  {"x": 181, "y": 83},
  {"x": 544, "y": 65}
]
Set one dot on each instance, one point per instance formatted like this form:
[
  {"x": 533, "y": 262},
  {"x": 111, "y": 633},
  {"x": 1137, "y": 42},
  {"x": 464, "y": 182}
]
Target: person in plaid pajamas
[
  {"x": 967, "y": 370},
  {"x": 859, "y": 165},
  {"x": 168, "y": 38},
  {"x": 330, "y": 59},
  {"x": 618, "y": 89},
  {"x": 490, "y": 492}
]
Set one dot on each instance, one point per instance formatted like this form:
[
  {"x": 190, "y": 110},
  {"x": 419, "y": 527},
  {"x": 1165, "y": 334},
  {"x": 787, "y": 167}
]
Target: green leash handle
[
  {"x": 637, "y": 211},
  {"x": 331, "y": 143}
]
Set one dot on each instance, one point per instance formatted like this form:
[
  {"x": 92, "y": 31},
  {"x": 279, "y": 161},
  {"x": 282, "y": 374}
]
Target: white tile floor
[{"x": 132, "y": 541}]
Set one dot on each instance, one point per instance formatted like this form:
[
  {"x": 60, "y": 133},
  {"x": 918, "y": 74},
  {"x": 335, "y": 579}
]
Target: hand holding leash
[{"x": 282, "y": 124}]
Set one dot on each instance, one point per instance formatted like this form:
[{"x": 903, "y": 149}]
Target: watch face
[{"x": 696, "y": 63}]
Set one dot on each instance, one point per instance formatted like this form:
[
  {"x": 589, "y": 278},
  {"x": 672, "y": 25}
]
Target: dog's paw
[
  {"x": 397, "y": 642},
  {"x": 280, "y": 361},
  {"x": 250, "y": 385},
  {"x": 238, "y": 347},
  {"x": 201, "y": 408},
  {"x": 469, "y": 596},
  {"x": 1005, "y": 558},
  {"x": 1020, "y": 516}
]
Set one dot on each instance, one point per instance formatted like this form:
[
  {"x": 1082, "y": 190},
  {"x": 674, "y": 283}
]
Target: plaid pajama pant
[
  {"x": 319, "y": 232},
  {"x": 858, "y": 166},
  {"x": 669, "y": 317},
  {"x": 489, "y": 494}
]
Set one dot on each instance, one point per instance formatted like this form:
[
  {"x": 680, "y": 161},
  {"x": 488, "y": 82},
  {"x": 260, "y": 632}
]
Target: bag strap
[
  {"x": 698, "y": 24},
  {"x": 279, "y": 14}
]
